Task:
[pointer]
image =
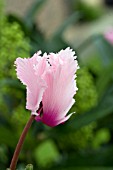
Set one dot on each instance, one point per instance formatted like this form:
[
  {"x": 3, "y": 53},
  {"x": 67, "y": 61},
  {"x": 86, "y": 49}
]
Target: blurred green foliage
[
  {"x": 13, "y": 44},
  {"x": 84, "y": 142},
  {"x": 46, "y": 153},
  {"x": 87, "y": 96},
  {"x": 89, "y": 12},
  {"x": 79, "y": 139},
  {"x": 29, "y": 167},
  {"x": 101, "y": 136}
]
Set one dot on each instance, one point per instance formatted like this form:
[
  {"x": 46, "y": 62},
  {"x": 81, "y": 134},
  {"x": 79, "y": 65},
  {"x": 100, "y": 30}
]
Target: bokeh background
[{"x": 85, "y": 142}]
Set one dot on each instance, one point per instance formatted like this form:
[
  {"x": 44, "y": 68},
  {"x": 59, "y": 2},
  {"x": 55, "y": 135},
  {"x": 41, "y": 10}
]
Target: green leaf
[
  {"x": 104, "y": 79},
  {"x": 100, "y": 44},
  {"x": 104, "y": 108},
  {"x": 104, "y": 48},
  {"x": 95, "y": 114}
]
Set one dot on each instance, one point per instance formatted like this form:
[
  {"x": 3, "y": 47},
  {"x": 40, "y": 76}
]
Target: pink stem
[{"x": 20, "y": 143}]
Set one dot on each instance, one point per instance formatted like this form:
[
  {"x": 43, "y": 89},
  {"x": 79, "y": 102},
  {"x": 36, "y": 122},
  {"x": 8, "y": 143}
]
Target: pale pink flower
[
  {"x": 109, "y": 36},
  {"x": 51, "y": 85}
]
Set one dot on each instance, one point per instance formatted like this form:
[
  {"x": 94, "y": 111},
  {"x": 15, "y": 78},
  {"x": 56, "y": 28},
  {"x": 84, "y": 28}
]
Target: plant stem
[{"x": 20, "y": 143}]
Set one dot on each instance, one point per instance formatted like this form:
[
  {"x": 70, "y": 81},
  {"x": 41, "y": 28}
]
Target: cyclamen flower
[
  {"x": 109, "y": 36},
  {"x": 50, "y": 83}
]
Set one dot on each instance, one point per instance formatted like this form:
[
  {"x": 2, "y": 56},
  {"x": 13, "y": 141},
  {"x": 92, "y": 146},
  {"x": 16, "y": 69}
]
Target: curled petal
[
  {"x": 58, "y": 97},
  {"x": 63, "y": 120},
  {"x": 35, "y": 84}
]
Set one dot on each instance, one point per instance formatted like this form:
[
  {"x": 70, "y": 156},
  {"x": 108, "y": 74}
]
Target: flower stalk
[{"x": 20, "y": 143}]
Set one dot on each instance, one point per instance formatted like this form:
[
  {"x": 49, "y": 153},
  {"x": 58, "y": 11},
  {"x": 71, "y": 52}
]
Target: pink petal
[
  {"x": 35, "y": 84},
  {"x": 109, "y": 36},
  {"x": 63, "y": 120},
  {"x": 51, "y": 120},
  {"x": 58, "y": 97}
]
